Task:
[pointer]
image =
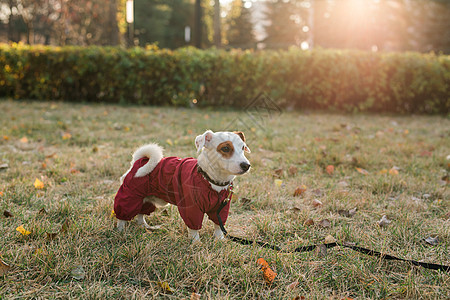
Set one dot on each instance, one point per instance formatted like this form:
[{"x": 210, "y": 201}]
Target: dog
[{"x": 195, "y": 186}]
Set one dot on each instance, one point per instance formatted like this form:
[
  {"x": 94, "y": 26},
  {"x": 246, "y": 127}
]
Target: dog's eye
[{"x": 225, "y": 149}]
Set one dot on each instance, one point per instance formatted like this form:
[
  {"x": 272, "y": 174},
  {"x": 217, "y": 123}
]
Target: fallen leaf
[
  {"x": 268, "y": 274},
  {"x": 434, "y": 241},
  {"x": 325, "y": 223},
  {"x": 7, "y": 214},
  {"x": 296, "y": 209},
  {"x": 6, "y": 138},
  {"x": 292, "y": 170},
  {"x": 66, "y": 136},
  {"x": 38, "y": 184},
  {"x": 22, "y": 230},
  {"x": 425, "y": 153},
  {"x": 329, "y": 239},
  {"x": 300, "y": 191},
  {"x": 24, "y": 140},
  {"x": 4, "y": 166},
  {"x": 169, "y": 141},
  {"x": 42, "y": 211},
  {"x": 4, "y": 268},
  {"x": 384, "y": 221},
  {"x": 362, "y": 171},
  {"x": 113, "y": 214},
  {"x": 383, "y": 171},
  {"x": 309, "y": 222},
  {"x": 165, "y": 287},
  {"x": 65, "y": 226},
  {"x": 51, "y": 236},
  {"x": 78, "y": 272},
  {"x": 195, "y": 296},
  {"x": 330, "y": 169},
  {"x": 278, "y": 173},
  {"x": 393, "y": 171},
  {"x": 278, "y": 182},
  {"x": 347, "y": 213},
  {"x": 234, "y": 197},
  {"x": 317, "y": 203},
  {"x": 1, "y": 193},
  {"x": 299, "y": 298}
]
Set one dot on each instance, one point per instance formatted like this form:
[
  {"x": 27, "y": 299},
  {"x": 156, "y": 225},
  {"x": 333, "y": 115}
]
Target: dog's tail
[{"x": 152, "y": 151}]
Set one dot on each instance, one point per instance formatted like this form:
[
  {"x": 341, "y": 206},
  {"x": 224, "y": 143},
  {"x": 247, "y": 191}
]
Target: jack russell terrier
[{"x": 195, "y": 186}]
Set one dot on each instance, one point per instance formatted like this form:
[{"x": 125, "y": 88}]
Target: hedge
[{"x": 319, "y": 79}]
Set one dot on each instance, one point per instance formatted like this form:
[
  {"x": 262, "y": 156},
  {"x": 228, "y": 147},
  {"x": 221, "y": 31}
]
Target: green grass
[{"x": 81, "y": 176}]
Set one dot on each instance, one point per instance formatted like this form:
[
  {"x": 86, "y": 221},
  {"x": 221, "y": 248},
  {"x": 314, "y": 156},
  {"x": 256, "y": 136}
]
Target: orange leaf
[
  {"x": 4, "y": 268},
  {"x": 330, "y": 169},
  {"x": 268, "y": 274},
  {"x": 299, "y": 191},
  {"x": 38, "y": 184},
  {"x": 24, "y": 140},
  {"x": 362, "y": 171},
  {"x": 393, "y": 171}
]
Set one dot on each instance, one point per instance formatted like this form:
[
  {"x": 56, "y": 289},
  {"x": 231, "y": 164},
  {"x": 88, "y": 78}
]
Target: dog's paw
[{"x": 121, "y": 225}]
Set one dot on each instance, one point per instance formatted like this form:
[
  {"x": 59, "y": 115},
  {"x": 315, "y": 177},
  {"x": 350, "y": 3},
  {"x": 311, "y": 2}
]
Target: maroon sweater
[{"x": 176, "y": 181}]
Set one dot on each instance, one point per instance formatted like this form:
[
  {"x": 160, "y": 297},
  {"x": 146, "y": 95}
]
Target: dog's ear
[
  {"x": 203, "y": 140},
  {"x": 240, "y": 134}
]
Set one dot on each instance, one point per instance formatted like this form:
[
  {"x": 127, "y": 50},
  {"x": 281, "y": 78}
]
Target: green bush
[{"x": 319, "y": 79}]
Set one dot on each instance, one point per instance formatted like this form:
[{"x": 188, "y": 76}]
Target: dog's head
[{"x": 226, "y": 149}]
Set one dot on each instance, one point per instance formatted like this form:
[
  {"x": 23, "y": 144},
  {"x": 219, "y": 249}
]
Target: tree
[
  {"x": 286, "y": 21},
  {"x": 240, "y": 28}
]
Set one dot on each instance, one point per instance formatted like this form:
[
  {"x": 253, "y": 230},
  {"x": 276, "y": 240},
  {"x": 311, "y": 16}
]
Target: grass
[{"x": 80, "y": 151}]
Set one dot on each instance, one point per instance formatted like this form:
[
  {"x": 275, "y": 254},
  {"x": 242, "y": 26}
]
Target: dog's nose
[{"x": 245, "y": 166}]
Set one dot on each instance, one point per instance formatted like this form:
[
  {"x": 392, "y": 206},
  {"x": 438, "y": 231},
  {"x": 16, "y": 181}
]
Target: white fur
[{"x": 212, "y": 162}]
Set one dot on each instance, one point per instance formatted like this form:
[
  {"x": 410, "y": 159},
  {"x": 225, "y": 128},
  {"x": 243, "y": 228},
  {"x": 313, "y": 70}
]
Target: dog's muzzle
[{"x": 245, "y": 167}]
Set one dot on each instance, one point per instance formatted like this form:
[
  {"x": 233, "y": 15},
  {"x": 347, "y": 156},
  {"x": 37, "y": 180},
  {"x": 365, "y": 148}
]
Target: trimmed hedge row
[{"x": 319, "y": 79}]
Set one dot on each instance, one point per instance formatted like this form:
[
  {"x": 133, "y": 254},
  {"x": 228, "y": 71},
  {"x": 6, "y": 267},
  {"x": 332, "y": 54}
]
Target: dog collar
[{"x": 206, "y": 176}]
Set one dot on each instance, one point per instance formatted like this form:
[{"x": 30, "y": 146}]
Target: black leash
[{"x": 328, "y": 245}]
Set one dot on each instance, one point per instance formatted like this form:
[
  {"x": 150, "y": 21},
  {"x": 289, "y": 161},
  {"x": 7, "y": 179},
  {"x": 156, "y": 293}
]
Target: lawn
[{"x": 382, "y": 165}]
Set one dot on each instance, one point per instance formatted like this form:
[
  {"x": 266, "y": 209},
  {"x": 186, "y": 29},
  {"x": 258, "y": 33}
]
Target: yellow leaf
[
  {"x": 383, "y": 171},
  {"x": 24, "y": 140},
  {"x": 113, "y": 214},
  {"x": 362, "y": 171},
  {"x": 23, "y": 230},
  {"x": 66, "y": 136},
  {"x": 38, "y": 184},
  {"x": 165, "y": 286},
  {"x": 169, "y": 141},
  {"x": 4, "y": 268},
  {"x": 278, "y": 182}
]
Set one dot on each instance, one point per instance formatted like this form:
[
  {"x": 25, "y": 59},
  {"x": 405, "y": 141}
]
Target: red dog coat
[{"x": 176, "y": 181}]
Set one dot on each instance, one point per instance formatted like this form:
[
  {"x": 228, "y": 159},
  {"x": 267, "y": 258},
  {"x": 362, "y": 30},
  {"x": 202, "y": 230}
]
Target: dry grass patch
[{"x": 80, "y": 151}]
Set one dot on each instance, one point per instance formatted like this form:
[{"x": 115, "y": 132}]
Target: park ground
[{"x": 60, "y": 169}]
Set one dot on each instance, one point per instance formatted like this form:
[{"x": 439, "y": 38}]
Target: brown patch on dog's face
[
  {"x": 226, "y": 149},
  {"x": 240, "y": 134}
]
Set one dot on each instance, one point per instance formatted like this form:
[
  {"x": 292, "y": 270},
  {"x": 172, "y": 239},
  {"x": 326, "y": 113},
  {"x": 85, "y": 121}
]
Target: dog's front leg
[
  {"x": 218, "y": 232},
  {"x": 194, "y": 235}
]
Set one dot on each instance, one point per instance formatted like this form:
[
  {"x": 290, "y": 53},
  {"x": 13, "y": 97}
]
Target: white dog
[{"x": 195, "y": 186}]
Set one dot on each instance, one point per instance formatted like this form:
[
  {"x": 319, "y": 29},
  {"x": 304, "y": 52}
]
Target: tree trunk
[
  {"x": 198, "y": 24},
  {"x": 216, "y": 22}
]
